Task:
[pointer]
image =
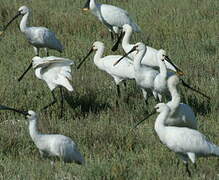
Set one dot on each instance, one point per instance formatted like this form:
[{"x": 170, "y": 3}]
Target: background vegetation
[{"x": 187, "y": 30}]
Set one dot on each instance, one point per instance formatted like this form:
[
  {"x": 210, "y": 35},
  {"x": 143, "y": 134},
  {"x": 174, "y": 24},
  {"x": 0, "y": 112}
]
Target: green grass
[{"x": 187, "y": 30}]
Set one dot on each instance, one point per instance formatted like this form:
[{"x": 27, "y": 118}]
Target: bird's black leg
[
  {"x": 52, "y": 103},
  {"x": 125, "y": 85},
  {"x": 195, "y": 165},
  {"x": 62, "y": 102},
  {"x": 118, "y": 93},
  {"x": 47, "y": 52},
  {"x": 187, "y": 169}
]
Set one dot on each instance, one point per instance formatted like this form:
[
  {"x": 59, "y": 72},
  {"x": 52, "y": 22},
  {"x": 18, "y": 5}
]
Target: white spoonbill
[
  {"x": 181, "y": 115},
  {"x": 150, "y": 57},
  {"x": 185, "y": 142},
  {"x": 50, "y": 144},
  {"x": 39, "y": 37},
  {"x": 144, "y": 75},
  {"x": 111, "y": 16},
  {"x": 122, "y": 72},
  {"x": 55, "y": 71},
  {"x": 160, "y": 81}
]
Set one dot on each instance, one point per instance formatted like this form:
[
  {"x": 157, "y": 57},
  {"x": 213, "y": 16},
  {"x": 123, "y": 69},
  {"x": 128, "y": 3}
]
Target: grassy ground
[{"x": 187, "y": 30}]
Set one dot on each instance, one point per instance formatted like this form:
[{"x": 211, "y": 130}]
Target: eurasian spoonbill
[
  {"x": 55, "y": 71},
  {"x": 150, "y": 57},
  {"x": 111, "y": 16},
  {"x": 122, "y": 72},
  {"x": 39, "y": 37},
  {"x": 50, "y": 144},
  {"x": 181, "y": 115},
  {"x": 185, "y": 142},
  {"x": 144, "y": 75}
]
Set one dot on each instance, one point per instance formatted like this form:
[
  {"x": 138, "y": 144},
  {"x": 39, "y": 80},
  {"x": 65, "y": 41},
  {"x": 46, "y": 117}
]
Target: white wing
[{"x": 116, "y": 16}]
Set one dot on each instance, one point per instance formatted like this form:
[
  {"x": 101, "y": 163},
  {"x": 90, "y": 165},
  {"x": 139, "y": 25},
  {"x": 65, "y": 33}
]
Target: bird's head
[
  {"x": 97, "y": 45},
  {"x": 36, "y": 60},
  {"x": 127, "y": 28},
  {"x": 160, "y": 107},
  {"x": 140, "y": 46},
  {"x": 31, "y": 115},
  {"x": 23, "y": 10},
  {"x": 137, "y": 47},
  {"x": 161, "y": 54}
]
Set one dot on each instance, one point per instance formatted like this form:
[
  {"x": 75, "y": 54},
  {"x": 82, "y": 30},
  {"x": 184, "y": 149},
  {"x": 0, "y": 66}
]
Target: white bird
[
  {"x": 111, "y": 16},
  {"x": 147, "y": 78},
  {"x": 50, "y": 144},
  {"x": 181, "y": 115},
  {"x": 144, "y": 75},
  {"x": 160, "y": 81},
  {"x": 150, "y": 57},
  {"x": 185, "y": 142},
  {"x": 122, "y": 72},
  {"x": 39, "y": 37},
  {"x": 55, "y": 71}
]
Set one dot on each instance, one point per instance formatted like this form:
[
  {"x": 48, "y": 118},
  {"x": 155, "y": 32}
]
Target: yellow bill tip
[
  {"x": 85, "y": 9},
  {"x": 180, "y": 73}
]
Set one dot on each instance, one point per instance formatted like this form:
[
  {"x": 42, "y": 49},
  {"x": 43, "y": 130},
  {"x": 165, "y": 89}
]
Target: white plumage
[
  {"x": 180, "y": 114},
  {"x": 144, "y": 75},
  {"x": 39, "y": 37},
  {"x": 53, "y": 144},
  {"x": 150, "y": 57},
  {"x": 187, "y": 143},
  {"x": 160, "y": 81},
  {"x": 55, "y": 71},
  {"x": 122, "y": 72},
  {"x": 111, "y": 16},
  {"x": 50, "y": 144}
]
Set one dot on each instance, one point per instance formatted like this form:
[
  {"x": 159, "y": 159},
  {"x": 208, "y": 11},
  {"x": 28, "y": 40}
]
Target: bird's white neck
[
  {"x": 159, "y": 125},
  {"x": 34, "y": 134},
  {"x": 38, "y": 73},
  {"x": 163, "y": 69},
  {"x": 175, "y": 97},
  {"x": 126, "y": 40},
  {"x": 24, "y": 22},
  {"x": 98, "y": 55}
]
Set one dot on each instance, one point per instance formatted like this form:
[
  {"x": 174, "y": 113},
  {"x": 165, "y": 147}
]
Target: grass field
[{"x": 187, "y": 30}]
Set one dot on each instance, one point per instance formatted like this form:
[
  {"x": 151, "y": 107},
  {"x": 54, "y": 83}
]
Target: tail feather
[{"x": 63, "y": 81}]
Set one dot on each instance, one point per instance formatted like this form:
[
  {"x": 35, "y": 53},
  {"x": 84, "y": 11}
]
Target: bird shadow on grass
[
  {"x": 202, "y": 107},
  {"x": 87, "y": 103}
]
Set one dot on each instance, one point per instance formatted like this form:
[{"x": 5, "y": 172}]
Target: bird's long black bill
[
  {"x": 86, "y": 6},
  {"x": 21, "y": 77},
  {"x": 116, "y": 45},
  {"x": 126, "y": 54},
  {"x": 18, "y": 14},
  {"x": 82, "y": 61},
  {"x": 179, "y": 71},
  {"x": 2, "y": 107},
  {"x": 193, "y": 89},
  {"x": 152, "y": 113}
]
